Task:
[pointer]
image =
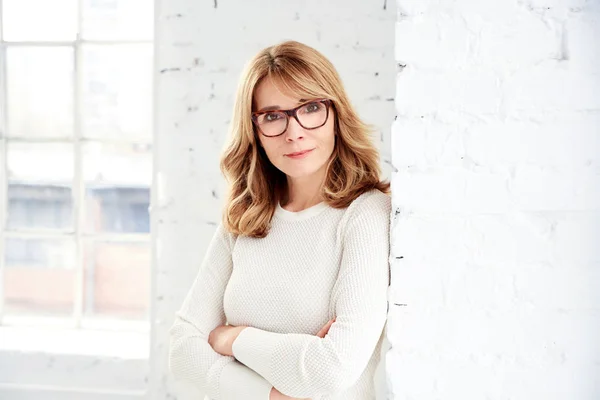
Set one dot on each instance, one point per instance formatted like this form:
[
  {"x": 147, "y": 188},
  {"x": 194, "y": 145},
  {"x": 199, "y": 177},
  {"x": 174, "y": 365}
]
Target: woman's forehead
[{"x": 272, "y": 92}]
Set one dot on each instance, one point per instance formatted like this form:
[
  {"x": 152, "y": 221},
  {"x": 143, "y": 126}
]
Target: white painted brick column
[
  {"x": 201, "y": 47},
  {"x": 496, "y": 145}
]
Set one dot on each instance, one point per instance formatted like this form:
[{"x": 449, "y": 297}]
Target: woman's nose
[{"x": 294, "y": 130}]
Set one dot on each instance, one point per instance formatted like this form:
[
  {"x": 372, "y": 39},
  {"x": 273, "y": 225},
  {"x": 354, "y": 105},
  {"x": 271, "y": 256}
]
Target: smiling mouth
[{"x": 299, "y": 153}]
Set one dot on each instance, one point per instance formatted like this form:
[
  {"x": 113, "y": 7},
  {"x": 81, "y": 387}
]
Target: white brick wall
[
  {"x": 201, "y": 49},
  {"x": 496, "y": 146},
  {"x": 496, "y": 150}
]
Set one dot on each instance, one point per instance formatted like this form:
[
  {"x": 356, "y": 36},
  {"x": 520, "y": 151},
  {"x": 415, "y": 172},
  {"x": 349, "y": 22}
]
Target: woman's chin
[{"x": 298, "y": 173}]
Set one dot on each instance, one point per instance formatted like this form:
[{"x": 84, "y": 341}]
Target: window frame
[
  {"x": 78, "y": 190},
  {"x": 88, "y": 325}
]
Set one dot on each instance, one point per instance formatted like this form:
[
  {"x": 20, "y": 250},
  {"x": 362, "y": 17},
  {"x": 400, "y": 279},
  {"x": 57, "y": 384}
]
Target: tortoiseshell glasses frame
[{"x": 292, "y": 113}]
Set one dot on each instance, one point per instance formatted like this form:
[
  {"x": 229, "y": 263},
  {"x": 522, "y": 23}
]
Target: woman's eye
[
  {"x": 272, "y": 117},
  {"x": 312, "y": 107}
]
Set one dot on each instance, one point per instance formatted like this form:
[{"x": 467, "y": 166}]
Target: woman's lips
[{"x": 301, "y": 154}]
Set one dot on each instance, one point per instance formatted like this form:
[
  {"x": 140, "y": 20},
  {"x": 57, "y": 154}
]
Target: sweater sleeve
[
  {"x": 303, "y": 365},
  {"x": 191, "y": 357}
]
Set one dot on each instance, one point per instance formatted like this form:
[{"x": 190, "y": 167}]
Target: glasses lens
[
  {"x": 272, "y": 123},
  {"x": 312, "y": 115}
]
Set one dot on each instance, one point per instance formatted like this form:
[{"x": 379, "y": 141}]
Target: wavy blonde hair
[{"x": 255, "y": 184}]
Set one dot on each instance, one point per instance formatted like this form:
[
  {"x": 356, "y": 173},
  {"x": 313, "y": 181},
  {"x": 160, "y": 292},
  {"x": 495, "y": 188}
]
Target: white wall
[
  {"x": 497, "y": 150},
  {"x": 201, "y": 49}
]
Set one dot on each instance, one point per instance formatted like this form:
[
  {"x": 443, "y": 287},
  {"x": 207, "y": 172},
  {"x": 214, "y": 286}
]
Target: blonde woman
[{"x": 290, "y": 301}]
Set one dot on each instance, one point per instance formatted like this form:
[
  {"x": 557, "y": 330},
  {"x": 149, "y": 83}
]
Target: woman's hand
[
  {"x": 276, "y": 394},
  {"x": 325, "y": 329},
  {"x": 222, "y": 337}
]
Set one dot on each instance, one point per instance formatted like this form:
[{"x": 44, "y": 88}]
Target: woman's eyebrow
[{"x": 270, "y": 108}]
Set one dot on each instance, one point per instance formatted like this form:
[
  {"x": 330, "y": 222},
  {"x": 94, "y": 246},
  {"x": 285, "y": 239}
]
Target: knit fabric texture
[{"x": 314, "y": 265}]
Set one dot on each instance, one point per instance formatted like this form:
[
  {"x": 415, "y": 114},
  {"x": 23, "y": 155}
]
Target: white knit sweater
[{"x": 314, "y": 265}]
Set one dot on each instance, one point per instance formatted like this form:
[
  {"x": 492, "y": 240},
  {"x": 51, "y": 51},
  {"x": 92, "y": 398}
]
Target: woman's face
[{"x": 279, "y": 149}]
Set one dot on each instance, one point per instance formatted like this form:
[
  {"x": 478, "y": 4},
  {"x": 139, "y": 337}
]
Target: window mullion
[
  {"x": 78, "y": 184},
  {"x": 3, "y": 162},
  {"x": 53, "y": 43}
]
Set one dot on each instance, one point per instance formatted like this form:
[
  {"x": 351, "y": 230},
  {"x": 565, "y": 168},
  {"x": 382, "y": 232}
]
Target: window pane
[
  {"x": 117, "y": 91},
  {"x": 30, "y": 265},
  {"x": 39, "y": 185},
  {"x": 39, "y": 20},
  {"x": 40, "y": 91},
  {"x": 117, "y": 179},
  {"x": 117, "y": 19},
  {"x": 117, "y": 282}
]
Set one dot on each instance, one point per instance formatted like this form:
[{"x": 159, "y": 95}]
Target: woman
[{"x": 291, "y": 298}]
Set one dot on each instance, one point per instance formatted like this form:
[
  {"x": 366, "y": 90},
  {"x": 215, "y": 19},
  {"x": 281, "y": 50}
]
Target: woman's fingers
[{"x": 325, "y": 329}]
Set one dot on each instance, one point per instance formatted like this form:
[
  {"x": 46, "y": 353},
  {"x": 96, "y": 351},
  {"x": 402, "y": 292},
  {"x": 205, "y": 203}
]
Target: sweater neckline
[{"x": 302, "y": 214}]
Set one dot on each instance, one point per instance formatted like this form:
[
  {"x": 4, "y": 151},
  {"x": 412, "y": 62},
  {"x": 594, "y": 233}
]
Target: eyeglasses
[{"x": 311, "y": 115}]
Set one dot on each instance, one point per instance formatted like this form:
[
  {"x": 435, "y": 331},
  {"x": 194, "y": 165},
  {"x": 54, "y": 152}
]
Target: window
[{"x": 75, "y": 161}]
